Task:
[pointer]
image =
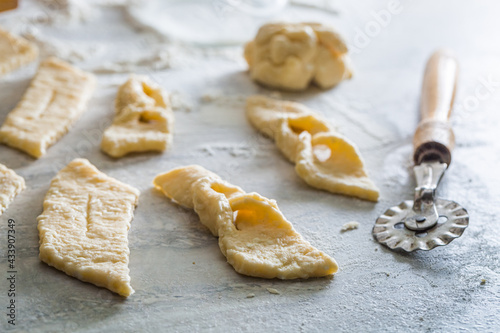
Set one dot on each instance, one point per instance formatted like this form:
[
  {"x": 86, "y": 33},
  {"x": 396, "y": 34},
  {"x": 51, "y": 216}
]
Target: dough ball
[{"x": 291, "y": 56}]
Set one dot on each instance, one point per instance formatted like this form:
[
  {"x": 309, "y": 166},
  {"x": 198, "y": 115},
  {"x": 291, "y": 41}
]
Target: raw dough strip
[
  {"x": 15, "y": 52},
  {"x": 10, "y": 186},
  {"x": 255, "y": 237},
  {"x": 143, "y": 121},
  {"x": 55, "y": 99},
  {"x": 84, "y": 225},
  {"x": 324, "y": 158}
]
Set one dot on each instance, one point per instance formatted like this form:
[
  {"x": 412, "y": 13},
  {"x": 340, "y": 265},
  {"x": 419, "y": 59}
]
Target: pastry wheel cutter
[{"x": 428, "y": 221}]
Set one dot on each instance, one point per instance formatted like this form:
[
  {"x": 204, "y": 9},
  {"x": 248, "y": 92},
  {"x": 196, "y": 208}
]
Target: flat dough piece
[
  {"x": 324, "y": 158},
  {"x": 84, "y": 225},
  {"x": 15, "y": 52},
  {"x": 10, "y": 186},
  {"x": 349, "y": 226},
  {"x": 143, "y": 121},
  {"x": 55, "y": 99},
  {"x": 255, "y": 237}
]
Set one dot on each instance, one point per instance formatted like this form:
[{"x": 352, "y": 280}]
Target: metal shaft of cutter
[{"x": 425, "y": 215}]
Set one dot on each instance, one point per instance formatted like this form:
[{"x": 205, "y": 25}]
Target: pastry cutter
[{"x": 428, "y": 221}]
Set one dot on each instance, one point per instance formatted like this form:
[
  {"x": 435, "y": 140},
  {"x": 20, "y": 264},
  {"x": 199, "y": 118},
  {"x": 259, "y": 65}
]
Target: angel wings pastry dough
[
  {"x": 324, "y": 158},
  {"x": 254, "y": 236},
  {"x": 143, "y": 121},
  {"x": 291, "y": 56},
  {"x": 11, "y": 185},
  {"x": 55, "y": 99},
  {"x": 15, "y": 52},
  {"x": 84, "y": 226}
]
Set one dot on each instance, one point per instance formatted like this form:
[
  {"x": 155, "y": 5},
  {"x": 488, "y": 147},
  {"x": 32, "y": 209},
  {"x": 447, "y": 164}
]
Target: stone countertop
[{"x": 182, "y": 280}]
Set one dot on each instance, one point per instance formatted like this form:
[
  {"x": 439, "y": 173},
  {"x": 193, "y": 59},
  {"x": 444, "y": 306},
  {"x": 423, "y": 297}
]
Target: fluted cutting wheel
[{"x": 390, "y": 229}]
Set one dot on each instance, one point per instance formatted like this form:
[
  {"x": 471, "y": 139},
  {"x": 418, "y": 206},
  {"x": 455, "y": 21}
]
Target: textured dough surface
[
  {"x": 255, "y": 237},
  {"x": 55, "y": 99},
  {"x": 143, "y": 120},
  {"x": 293, "y": 55},
  {"x": 84, "y": 226},
  {"x": 11, "y": 185},
  {"x": 324, "y": 158},
  {"x": 15, "y": 52}
]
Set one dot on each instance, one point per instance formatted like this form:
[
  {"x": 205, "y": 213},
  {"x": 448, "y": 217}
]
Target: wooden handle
[
  {"x": 434, "y": 138},
  {"x": 7, "y": 5}
]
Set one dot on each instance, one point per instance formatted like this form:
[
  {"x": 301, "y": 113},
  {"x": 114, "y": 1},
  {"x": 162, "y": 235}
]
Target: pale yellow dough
[
  {"x": 55, "y": 99},
  {"x": 84, "y": 226},
  {"x": 324, "y": 158},
  {"x": 10, "y": 186},
  {"x": 293, "y": 55},
  {"x": 350, "y": 226},
  {"x": 255, "y": 237},
  {"x": 143, "y": 121},
  {"x": 15, "y": 52}
]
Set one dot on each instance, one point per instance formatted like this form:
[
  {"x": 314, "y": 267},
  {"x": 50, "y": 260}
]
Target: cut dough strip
[
  {"x": 323, "y": 158},
  {"x": 84, "y": 225},
  {"x": 255, "y": 237},
  {"x": 15, "y": 52},
  {"x": 10, "y": 186},
  {"x": 55, "y": 99},
  {"x": 143, "y": 121}
]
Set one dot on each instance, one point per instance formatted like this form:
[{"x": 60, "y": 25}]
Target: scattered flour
[
  {"x": 180, "y": 102},
  {"x": 217, "y": 96},
  {"x": 163, "y": 55},
  {"x": 273, "y": 291},
  {"x": 209, "y": 97},
  {"x": 323, "y": 5},
  {"x": 64, "y": 12},
  {"x": 235, "y": 150},
  {"x": 157, "y": 60},
  {"x": 69, "y": 52}
]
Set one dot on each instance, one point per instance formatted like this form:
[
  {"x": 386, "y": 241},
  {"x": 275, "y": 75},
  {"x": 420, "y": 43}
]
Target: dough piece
[
  {"x": 15, "y": 52},
  {"x": 84, "y": 225},
  {"x": 292, "y": 55},
  {"x": 143, "y": 121},
  {"x": 55, "y": 99},
  {"x": 349, "y": 226},
  {"x": 323, "y": 158},
  {"x": 255, "y": 237},
  {"x": 10, "y": 186}
]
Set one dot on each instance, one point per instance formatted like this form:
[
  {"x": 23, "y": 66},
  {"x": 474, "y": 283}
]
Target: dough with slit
[
  {"x": 84, "y": 226},
  {"x": 302, "y": 135},
  {"x": 254, "y": 236},
  {"x": 143, "y": 121}
]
